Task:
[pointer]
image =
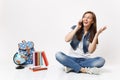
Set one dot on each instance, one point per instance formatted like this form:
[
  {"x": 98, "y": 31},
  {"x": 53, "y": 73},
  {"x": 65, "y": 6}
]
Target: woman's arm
[
  {"x": 70, "y": 35},
  {"x": 92, "y": 46}
]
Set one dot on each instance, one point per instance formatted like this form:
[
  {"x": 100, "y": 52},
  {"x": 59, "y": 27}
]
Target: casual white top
[{"x": 78, "y": 52}]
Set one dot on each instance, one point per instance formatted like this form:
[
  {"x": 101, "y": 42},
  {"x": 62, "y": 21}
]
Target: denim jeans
[{"x": 77, "y": 63}]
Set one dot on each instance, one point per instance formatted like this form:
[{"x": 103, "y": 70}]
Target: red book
[
  {"x": 44, "y": 58},
  {"x": 34, "y": 69},
  {"x": 35, "y": 58}
]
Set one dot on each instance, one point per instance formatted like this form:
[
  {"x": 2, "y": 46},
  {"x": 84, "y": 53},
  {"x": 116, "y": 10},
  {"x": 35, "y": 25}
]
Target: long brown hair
[{"x": 92, "y": 29}]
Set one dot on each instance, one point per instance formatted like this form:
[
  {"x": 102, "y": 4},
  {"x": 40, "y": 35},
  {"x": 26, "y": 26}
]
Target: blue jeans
[{"x": 77, "y": 63}]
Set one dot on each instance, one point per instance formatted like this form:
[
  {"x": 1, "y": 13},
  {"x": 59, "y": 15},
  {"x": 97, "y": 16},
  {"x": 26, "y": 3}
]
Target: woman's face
[{"x": 87, "y": 20}]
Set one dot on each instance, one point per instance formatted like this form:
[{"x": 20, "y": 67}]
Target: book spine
[
  {"x": 41, "y": 61},
  {"x": 34, "y": 58},
  {"x": 45, "y": 58},
  {"x": 37, "y": 69},
  {"x": 38, "y": 58}
]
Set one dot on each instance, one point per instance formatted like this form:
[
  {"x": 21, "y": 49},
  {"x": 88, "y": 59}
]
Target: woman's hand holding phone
[{"x": 79, "y": 25}]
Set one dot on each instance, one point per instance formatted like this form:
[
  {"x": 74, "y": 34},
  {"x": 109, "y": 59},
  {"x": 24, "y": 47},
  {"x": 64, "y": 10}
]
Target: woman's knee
[
  {"x": 59, "y": 55},
  {"x": 101, "y": 61}
]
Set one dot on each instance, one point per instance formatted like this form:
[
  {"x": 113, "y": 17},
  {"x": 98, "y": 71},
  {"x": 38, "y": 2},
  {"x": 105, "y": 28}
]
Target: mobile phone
[{"x": 80, "y": 22}]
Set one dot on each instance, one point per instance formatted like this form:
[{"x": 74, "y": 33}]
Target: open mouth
[{"x": 85, "y": 22}]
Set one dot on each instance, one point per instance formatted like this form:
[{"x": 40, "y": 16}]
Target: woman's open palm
[{"x": 101, "y": 30}]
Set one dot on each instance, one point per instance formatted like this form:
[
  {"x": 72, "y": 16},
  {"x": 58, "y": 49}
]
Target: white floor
[{"x": 55, "y": 72}]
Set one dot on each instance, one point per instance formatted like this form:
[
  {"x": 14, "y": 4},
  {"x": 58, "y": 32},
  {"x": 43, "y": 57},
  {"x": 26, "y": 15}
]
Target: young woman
[{"x": 83, "y": 40}]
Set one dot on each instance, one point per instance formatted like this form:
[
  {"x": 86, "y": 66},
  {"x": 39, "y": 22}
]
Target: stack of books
[{"x": 39, "y": 60}]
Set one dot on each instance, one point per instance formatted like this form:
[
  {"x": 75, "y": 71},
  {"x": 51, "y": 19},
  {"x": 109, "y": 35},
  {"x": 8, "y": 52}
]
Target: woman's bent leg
[
  {"x": 67, "y": 61},
  {"x": 93, "y": 62}
]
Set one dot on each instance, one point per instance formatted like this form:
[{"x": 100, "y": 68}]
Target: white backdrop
[{"x": 46, "y": 22}]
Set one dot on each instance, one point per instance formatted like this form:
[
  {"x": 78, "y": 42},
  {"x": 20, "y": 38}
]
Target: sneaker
[
  {"x": 93, "y": 70},
  {"x": 67, "y": 69}
]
